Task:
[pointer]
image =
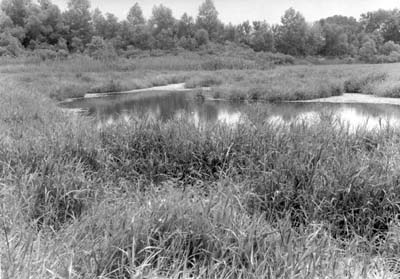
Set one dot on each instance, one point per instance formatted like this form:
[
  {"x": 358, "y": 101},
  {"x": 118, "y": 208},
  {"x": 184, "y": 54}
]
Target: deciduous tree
[
  {"x": 262, "y": 38},
  {"x": 16, "y": 10},
  {"x": 162, "y": 24},
  {"x": 78, "y": 21},
  {"x": 161, "y": 19},
  {"x": 43, "y": 24},
  {"x": 208, "y": 19},
  {"x": 135, "y": 15},
  {"x": 368, "y": 49},
  {"x": 186, "y": 26},
  {"x": 291, "y": 34}
]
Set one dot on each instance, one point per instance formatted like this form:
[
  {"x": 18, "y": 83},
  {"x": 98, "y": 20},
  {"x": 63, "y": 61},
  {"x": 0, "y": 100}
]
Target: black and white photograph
[{"x": 199, "y": 139}]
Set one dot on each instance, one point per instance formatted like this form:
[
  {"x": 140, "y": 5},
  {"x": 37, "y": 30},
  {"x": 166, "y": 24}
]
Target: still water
[{"x": 165, "y": 106}]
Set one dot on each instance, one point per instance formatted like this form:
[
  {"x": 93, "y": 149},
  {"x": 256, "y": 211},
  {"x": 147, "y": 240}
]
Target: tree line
[{"x": 27, "y": 25}]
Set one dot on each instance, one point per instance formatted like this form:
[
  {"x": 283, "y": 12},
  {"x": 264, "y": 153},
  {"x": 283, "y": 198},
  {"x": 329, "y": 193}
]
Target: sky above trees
[{"x": 237, "y": 11}]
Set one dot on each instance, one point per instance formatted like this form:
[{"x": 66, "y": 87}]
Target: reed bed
[
  {"x": 299, "y": 82},
  {"x": 228, "y": 78},
  {"x": 147, "y": 199}
]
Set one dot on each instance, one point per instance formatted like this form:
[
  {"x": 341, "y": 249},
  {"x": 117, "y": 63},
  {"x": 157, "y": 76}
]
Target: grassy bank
[
  {"x": 300, "y": 82},
  {"x": 168, "y": 200},
  {"x": 229, "y": 79}
]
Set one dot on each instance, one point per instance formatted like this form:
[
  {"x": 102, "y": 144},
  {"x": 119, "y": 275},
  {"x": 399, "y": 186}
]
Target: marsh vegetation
[{"x": 165, "y": 197}]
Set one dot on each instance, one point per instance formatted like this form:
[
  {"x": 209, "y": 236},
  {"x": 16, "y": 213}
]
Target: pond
[{"x": 163, "y": 106}]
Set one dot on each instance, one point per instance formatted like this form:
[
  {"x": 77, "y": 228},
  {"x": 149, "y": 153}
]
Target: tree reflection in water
[{"x": 164, "y": 106}]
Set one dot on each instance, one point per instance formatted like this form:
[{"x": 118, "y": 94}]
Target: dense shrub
[
  {"x": 188, "y": 43},
  {"x": 277, "y": 58},
  {"x": 45, "y": 54},
  {"x": 390, "y": 47},
  {"x": 10, "y": 45},
  {"x": 3, "y": 51},
  {"x": 393, "y": 57},
  {"x": 202, "y": 37},
  {"x": 100, "y": 49},
  {"x": 368, "y": 50}
]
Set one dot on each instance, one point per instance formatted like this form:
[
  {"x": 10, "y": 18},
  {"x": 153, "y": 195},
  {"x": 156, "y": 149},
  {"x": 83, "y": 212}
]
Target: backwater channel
[{"x": 165, "y": 105}]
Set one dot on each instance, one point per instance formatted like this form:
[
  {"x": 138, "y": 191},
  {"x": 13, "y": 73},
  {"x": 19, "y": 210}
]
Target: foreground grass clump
[
  {"x": 315, "y": 174},
  {"x": 177, "y": 234},
  {"x": 171, "y": 234},
  {"x": 284, "y": 202}
]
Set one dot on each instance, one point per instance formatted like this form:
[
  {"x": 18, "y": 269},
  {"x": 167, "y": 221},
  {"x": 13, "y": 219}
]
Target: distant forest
[{"x": 29, "y": 27}]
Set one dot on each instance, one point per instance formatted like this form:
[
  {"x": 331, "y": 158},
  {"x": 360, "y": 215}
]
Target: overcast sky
[{"x": 237, "y": 11}]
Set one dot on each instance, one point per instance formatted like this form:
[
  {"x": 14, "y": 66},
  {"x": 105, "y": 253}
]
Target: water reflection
[
  {"x": 352, "y": 116},
  {"x": 166, "y": 106}
]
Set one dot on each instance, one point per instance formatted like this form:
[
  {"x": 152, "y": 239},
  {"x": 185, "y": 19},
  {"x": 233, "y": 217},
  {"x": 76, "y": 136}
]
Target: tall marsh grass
[
  {"x": 273, "y": 85},
  {"x": 301, "y": 82},
  {"x": 144, "y": 198},
  {"x": 170, "y": 200},
  {"x": 181, "y": 62},
  {"x": 230, "y": 78},
  {"x": 361, "y": 84}
]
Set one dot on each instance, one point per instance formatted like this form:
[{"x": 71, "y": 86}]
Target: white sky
[{"x": 237, "y": 11}]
